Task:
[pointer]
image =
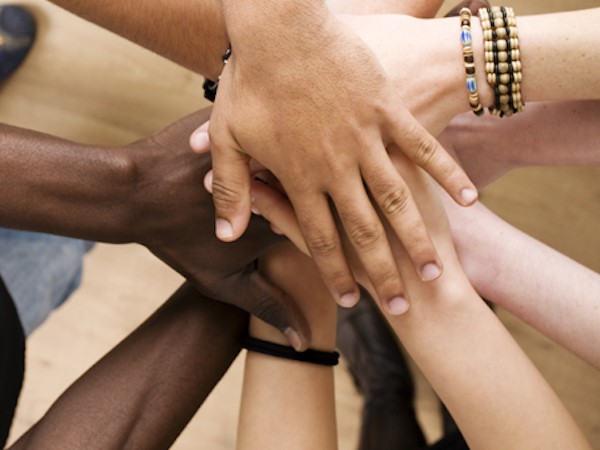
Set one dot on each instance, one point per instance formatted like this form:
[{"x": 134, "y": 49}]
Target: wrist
[
  {"x": 125, "y": 170},
  {"x": 448, "y": 81},
  {"x": 257, "y": 29},
  {"x": 139, "y": 174}
]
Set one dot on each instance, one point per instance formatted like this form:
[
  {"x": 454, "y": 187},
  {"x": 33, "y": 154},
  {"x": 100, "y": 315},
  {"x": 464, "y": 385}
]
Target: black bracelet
[
  {"x": 210, "y": 87},
  {"x": 284, "y": 351}
]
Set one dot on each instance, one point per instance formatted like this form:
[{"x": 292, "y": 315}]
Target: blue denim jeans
[{"x": 40, "y": 272}]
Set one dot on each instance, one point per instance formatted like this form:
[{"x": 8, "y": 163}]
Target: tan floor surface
[{"x": 88, "y": 85}]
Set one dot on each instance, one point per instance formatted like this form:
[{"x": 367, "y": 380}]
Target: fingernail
[
  {"x": 430, "y": 272},
  {"x": 224, "y": 229},
  {"x": 200, "y": 140},
  {"x": 398, "y": 306},
  {"x": 276, "y": 230},
  {"x": 254, "y": 208},
  {"x": 293, "y": 338},
  {"x": 468, "y": 195},
  {"x": 349, "y": 300},
  {"x": 208, "y": 181}
]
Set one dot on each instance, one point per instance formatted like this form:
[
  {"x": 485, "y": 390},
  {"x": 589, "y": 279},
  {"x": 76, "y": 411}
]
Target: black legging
[{"x": 12, "y": 361}]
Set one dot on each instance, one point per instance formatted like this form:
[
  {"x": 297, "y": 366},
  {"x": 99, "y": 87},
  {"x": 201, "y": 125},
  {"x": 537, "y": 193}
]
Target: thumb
[
  {"x": 272, "y": 305},
  {"x": 200, "y": 140},
  {"x": 231, "y": 191}
]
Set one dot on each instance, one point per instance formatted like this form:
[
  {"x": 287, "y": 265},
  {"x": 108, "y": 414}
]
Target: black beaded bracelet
[
  {"x": 283, "y": 351},
  {"x": 210, "y": 87}
]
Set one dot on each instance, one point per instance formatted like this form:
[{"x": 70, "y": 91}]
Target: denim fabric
[{"x": 40, "y": 272}]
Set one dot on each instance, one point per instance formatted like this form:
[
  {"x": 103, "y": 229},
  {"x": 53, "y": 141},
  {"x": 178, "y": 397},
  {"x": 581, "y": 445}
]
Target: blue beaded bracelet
[{"x": 467, "y": 47}]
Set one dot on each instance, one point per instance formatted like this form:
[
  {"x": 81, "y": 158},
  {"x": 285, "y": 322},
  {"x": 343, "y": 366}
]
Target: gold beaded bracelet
[
  {"x": 503, "y": 59},
  {"x": 466, "y": 40}
]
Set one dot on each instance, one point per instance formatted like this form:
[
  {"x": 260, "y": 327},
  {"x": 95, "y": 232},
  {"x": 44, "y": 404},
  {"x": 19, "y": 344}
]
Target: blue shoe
[{"x": 17, "y": 33}]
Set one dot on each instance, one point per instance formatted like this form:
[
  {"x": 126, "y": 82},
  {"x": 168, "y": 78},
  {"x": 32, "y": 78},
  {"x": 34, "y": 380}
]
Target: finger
[
  {"x": 230, "y": 190},
  {"x": 255, "y": 167},
  {"x": 278, "y": 211},
  {"x": 208, "y": 181},
  {"x": 272, "y": 305},
  {"x": 395, "y": 201},
  {"x": 411, "y": 138},
  {"x": 200, "y": 140},
  {"x": 323, "y": 241},
  {"x": 367, "y": 236}
]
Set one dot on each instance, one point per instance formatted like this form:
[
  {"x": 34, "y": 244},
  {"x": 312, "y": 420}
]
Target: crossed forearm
[
  {"x": 144, "y": 392},
  {"x": 56, "y": 186},
  {"x": 189, "y": 32}
]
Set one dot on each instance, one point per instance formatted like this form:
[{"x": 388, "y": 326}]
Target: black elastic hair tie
[
  {"x": 283, "y": 351},
  {"x": 210, "y": 87}
]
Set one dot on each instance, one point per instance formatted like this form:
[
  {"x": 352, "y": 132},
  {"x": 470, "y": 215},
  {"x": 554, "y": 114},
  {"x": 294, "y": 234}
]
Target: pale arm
[
  {"x": 551, "y": 292},
  {"x": 417, "y": 8},
  {"x": 425, "y": 59},
  {"x": 286, "y": 401},
  {"x": 492, "y": 390},
  {"x": 563, "y": 133}
]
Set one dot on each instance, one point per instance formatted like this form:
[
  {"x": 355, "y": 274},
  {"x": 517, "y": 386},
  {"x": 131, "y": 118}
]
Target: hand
[
  {"x": 318, "y": 110},
  {"x": 269, "y": 201},
  {"x": 175, "y": 217},
  {"x": 424, "y": 60}
]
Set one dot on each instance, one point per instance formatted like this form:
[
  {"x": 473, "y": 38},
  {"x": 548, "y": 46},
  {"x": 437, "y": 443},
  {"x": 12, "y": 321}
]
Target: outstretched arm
[
  {"x": 492, "y": 390},
  {"x": 283, "y": 400},
  {"x": 190, "y": 32},
  {"x": 431, "y": 48},
  {"x": 256, "y": 81},
  {"x": 563, "y": 133},
  {"x": 144, "y": 392},
  {"x": 531, "y": 280},
  {"x": 147, "y": 192}
]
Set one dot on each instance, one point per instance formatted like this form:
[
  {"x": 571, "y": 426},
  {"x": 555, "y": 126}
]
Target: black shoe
[
  {"x": 12, "y": 361},
  {"x": 17, "y": 33},
  {"x": 381, "y": 374}
]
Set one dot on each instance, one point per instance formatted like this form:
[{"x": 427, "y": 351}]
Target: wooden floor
[{"x": 85, "y": 84}]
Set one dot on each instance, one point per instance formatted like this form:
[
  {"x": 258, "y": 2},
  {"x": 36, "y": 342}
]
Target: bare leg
[{"x": 143, "y": 393}]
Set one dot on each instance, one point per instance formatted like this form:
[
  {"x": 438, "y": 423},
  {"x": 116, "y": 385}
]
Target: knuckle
[
  {"x": 420, "y": 248},
  {"x": 271, "y": 312},
  {"x": 385, "y": 280},
  {"x": 426, "y": 151},
  {"x": 322, "y": 245},
  {"x": 396, "y": 201},
  {"x": 340, "y": 280},
  {"x": 365, "y": 236},
  {"x": 224, "y": 195}
]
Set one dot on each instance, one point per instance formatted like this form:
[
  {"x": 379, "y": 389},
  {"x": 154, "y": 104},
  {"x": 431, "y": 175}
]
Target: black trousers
[{"x": 12, "y": 361}]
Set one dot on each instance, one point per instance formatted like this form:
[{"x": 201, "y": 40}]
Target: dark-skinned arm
[
  {"x": 189, "y": 32},
  {"x": 149, "y": 192},
  {"x": 145, "y": 391}
]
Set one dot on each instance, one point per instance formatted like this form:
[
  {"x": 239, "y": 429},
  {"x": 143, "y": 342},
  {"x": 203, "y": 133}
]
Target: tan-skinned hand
[{"x": 309, "y": 100}]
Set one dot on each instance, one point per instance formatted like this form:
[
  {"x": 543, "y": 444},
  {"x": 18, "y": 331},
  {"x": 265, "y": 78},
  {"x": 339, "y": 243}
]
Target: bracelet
[
  {"x": 210, "y": 87},
  {"x": 466, "y": 40},
  {"x": 503, "y": 59},
  {"x": 283, "y": 351}
]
